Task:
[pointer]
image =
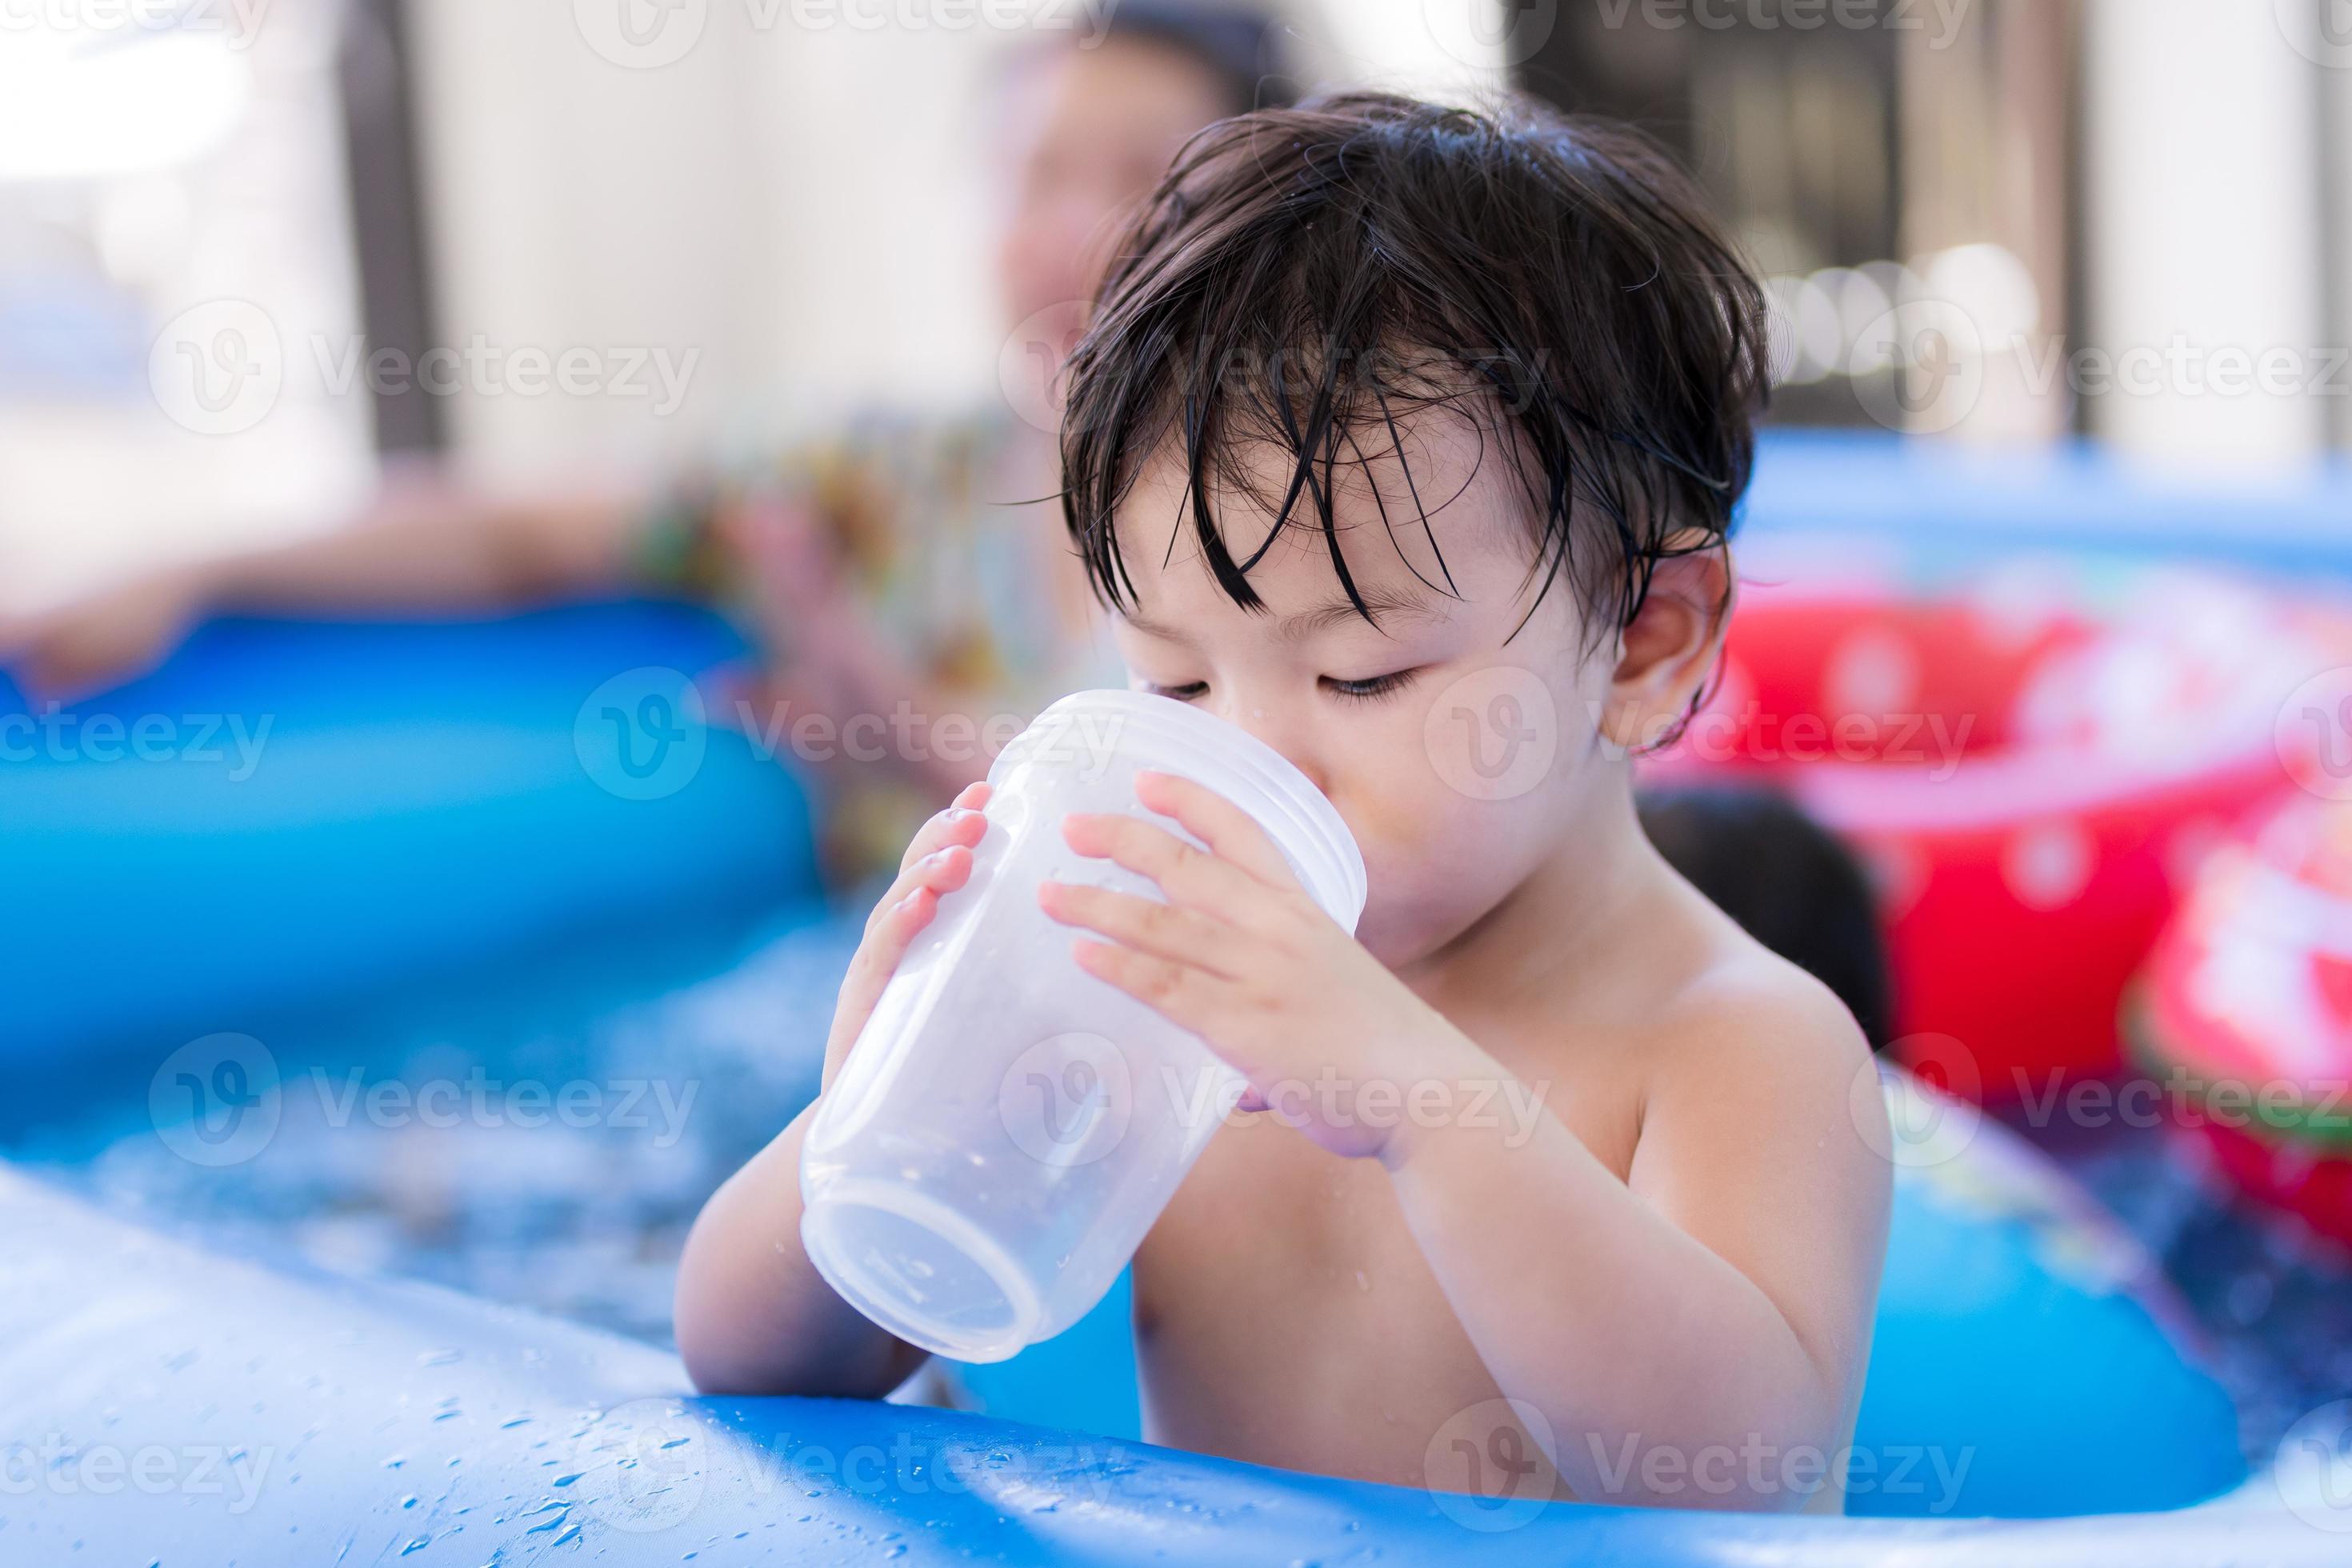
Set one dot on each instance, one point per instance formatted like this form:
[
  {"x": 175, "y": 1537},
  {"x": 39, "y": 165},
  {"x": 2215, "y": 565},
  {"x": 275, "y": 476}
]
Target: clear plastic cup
[{"x": 1008, "y": 1126}]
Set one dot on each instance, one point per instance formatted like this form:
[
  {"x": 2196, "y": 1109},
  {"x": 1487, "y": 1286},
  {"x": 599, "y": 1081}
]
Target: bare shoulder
[
  {"x": 1745, "y": 1016},
  {"x": 1757, "y": 1079},
  {"x": 1763, "y": 1137}
]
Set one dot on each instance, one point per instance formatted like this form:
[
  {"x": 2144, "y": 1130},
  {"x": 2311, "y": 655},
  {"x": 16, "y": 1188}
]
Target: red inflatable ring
[
  {"x": 2031, "y": 763},
  {"x": 2247, "y": 1008}
]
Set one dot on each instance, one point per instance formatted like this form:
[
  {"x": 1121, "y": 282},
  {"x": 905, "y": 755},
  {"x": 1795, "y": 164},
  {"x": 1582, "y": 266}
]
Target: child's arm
[
  {"x": 1718, "y": 1302},
  {"x": 752, "y": 1314}
]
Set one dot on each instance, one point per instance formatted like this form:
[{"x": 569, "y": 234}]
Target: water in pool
[
  {"x": 542, "y": 1136},
  {"x": 545, "y": 1136}
]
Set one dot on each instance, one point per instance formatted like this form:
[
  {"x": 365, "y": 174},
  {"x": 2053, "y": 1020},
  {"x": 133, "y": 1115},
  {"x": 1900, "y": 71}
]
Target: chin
[
  {"x": 1403, "y": 931},
  {"x": 1390, "y": 953}
]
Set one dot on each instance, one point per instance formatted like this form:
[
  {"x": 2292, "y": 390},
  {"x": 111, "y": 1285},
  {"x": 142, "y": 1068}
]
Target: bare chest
[{"x": 1286, "y": 1316}]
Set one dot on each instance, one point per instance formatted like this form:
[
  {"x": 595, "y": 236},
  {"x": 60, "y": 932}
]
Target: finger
[
  {"x": 961, "y": 822},
  {"x": 943, "y": 870},
  {"x": 1186, "y": 936},
  {"x": 888, "y": 934},
  {"x": 1179, "y": 993},
  {"x": 1231, "y": 833},
  {"x": 1188, "y": 875},
  {"x": 928, "y": 857},
  {"x": 892, "y": 930}
]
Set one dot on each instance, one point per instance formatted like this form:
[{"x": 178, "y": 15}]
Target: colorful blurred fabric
[{"x": 925, "y": 523}]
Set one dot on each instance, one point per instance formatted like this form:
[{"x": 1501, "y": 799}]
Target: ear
[{"x": 1665, "y": 654}]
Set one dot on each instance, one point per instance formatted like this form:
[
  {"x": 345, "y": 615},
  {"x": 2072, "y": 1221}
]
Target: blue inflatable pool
[
  {"x": 2025, "y": 1359},
  {"x": 1957, "y": 502},
  {"x": 167, "y": 1406},
  {"x": 432, "y": 797},
  {"x": 291, "y": 812}
]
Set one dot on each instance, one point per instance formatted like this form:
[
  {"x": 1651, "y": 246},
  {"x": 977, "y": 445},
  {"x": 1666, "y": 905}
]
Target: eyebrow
[{"x": 1294, "y": 628}]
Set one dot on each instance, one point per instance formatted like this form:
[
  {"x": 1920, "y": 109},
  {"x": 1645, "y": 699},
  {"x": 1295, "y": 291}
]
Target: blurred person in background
[
  {"x": 1787, "y": 880},
  {"x": 900, "y": 564}
]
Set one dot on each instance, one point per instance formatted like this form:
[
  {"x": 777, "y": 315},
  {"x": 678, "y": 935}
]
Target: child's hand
[
  {"x": 1243, "y": 956},
  {"x": 938, "y": 861}
]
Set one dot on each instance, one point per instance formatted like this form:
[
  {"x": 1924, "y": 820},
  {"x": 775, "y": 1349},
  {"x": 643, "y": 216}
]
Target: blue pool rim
[{"x": 380, "y": 1422}]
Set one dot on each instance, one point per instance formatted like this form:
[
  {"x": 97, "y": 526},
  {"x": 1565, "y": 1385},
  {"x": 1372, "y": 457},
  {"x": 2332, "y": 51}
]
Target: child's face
[{"x": 1459, "y": 761}]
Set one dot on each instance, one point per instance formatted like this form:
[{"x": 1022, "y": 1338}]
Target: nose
[{"x": 1280, "y": 726}]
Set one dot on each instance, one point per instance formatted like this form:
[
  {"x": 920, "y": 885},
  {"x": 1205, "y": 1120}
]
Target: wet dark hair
[
  {"x": 1789, "y": 883},
  {"x": 1308, "y": 277}
]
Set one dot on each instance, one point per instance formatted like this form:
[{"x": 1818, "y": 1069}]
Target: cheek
[
  {"x": 1384, "y": 821},
  {"x": 1436, "y": 856},
  {"x": 1429, "y": 848},
  {"x": 1380, "y": 780},
  {"x": 1426, "y": 892}
]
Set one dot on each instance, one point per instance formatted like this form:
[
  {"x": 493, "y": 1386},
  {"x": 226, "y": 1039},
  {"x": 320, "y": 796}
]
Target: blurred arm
[
  {"x": 426, "y": 542},
  {"x": 429, "y": 541}
]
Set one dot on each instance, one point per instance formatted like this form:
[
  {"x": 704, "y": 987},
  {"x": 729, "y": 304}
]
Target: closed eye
[
  {"x": 1373, "y": 687},
  {"x": 1370, "y": 688}
]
